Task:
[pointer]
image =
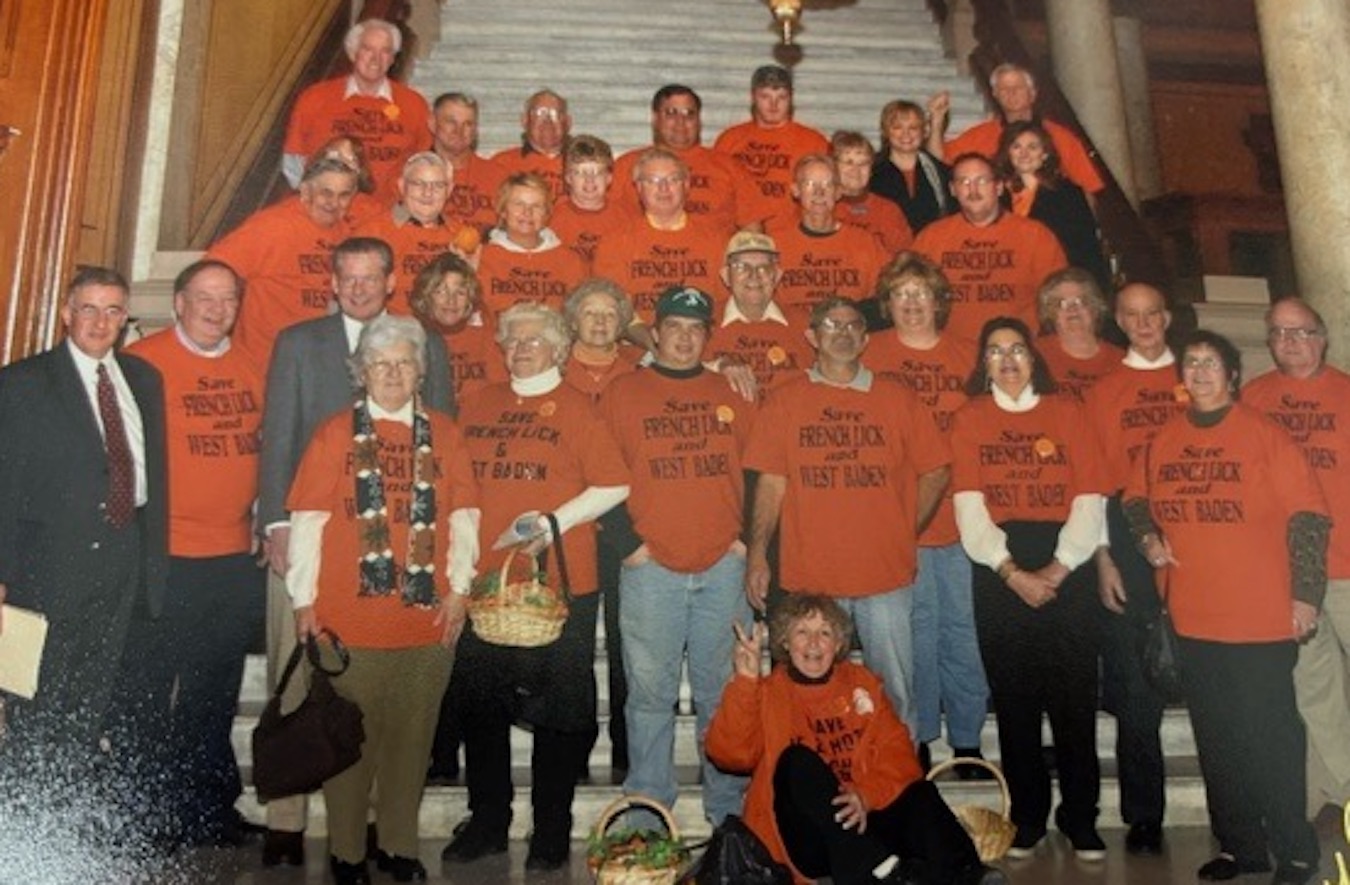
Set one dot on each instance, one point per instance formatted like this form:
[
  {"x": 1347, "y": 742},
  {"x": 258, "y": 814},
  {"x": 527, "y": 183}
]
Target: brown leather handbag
[{"x": 296, "y": 752}]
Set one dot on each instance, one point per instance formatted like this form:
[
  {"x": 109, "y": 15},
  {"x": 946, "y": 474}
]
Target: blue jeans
[
  {"x": 663, "y": 615},
  {"x": 948, "y": 672},
  {"x": 882, "y": 624}
]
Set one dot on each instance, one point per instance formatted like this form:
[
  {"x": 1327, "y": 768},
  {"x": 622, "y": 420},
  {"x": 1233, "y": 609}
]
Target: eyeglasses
[
  {"x": 661, "y": 180},
  {"x": 974, "y": 181},
  {"x": 553, "y": 115},
  {"x": 90, "y": 312},
  {"x": 1291, "y": 333},
  {"x": 919, "y": 296},
  {"x": 534, "y": 342},
  {"x": 830, "y": 324},
  {"x": 745, "y": 269},
  {"x": 392, "y": 367},
  {"x": 1207, "y": 363},
  {"x": 1072, "y": 301},
  {"x": 1014, "y": 351},
  {"x": 431, "y": 186},
  {"x": 679, "y": 113}
]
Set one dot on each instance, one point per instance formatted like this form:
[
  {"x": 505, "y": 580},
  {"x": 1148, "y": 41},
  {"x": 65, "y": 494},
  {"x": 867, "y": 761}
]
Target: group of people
[{"x": 862, "y": 392}]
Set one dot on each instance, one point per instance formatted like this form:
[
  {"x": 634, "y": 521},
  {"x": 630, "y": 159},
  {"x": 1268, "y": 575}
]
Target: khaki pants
[
  {"x": 399, "y": 692},
  {"x": 289, "y": 814},
  {"x": 1322, "y": 686}
]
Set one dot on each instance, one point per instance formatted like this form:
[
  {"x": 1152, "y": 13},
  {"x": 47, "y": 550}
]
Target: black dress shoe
[
  {"x": 1144, "y": 837},
  {"x": 1293, "y": 872},
  {"x": 349, "y": 873},
  {"x": 472, "y": 841},
  {"x": 980, "y": 874},
  {"x": 280, "y": 847},
  {"x": 403, "y": 869},
  {"x": 1224, "y": 867},
  {"x": 546, "y": 858}
]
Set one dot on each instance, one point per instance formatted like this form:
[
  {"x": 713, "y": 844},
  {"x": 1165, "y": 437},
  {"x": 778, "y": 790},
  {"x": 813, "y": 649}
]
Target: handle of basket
[
  {"x": 624, "y": 803},
  {"x": 943, "y": 767},
  {"x": 562, "y": 558}
]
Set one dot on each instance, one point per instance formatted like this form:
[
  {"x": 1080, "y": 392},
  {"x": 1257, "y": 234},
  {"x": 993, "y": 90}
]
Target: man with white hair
[{"x": 390, "y": 119}]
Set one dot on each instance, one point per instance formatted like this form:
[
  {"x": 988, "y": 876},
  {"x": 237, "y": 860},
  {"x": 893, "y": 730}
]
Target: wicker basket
[
  {"x": 619, "y": 869},
  {"x": 991, "y": 831},
  {"x": 520, "y": 613}
]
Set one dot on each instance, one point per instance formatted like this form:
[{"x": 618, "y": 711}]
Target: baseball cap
[
  {"x": 771, "y": 75},
  {"x": 684, "y": 301},
  {"x": 749, "y": 241}
]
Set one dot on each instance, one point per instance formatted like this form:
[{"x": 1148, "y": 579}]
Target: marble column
[
  {"x": 1305, "y": 44},
  {"x": 1134, "y": 83},
  {"x": 1083, "y": 53}
]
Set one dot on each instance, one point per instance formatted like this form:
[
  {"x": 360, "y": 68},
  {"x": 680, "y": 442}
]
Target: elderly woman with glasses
[
  {"x": 1028, "y": 484},
  {"x": 1072, "y": 309},
  {"x": 915, "y": 296},
  {"x": 383, "y": 544},
  {"x": 1226, "y": 506},
  {"x": 537, "y": 448}
]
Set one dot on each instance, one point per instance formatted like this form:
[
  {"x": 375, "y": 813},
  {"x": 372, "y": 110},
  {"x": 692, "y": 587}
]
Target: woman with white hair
[
  {"x": 537, "y": 448},
  {"x": 383, "y": 542}
]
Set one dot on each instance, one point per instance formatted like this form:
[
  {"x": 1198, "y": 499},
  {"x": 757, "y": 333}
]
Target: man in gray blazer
[{"x": 308, "y": 381}]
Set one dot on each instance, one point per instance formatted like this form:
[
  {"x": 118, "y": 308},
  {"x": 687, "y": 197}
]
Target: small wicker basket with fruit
[
  {"x": 519, "y": 609},
  {"x": 635, "y": 856}
]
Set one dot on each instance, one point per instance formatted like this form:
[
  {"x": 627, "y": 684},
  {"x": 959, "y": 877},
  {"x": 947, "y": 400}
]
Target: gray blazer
[{"x": 308, "y": 382}]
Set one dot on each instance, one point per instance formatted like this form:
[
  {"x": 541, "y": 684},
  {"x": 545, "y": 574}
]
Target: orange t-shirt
[
  {"x": 645, "y": 261},
  {"x": 720, "y": 193},
  {"x": 473, "y": 199},
  {"x": 475, "y": 359},
  {"x": 936, "y": 376},
  {"x": 682, "y": 439},
  {"x": 994, "y": 270},
  {"x": 816, "y": 266},
  {"x": 582, "y": 230},
  {"x": 325, "y": 482},
  {"x": 851, "y": 459},
  {"x": 514, "y": 160},
  {"x": 982, "y": 138},
  {"x": 212, "y": 416},
  {"x": 1223, "y": 496},
  {"x": 767, "y": 156},
  {"x": 1127, "y": 408},
  {"x": 536, "y": 453},
  {"x": 390, "y": 131},
  {"x": 1077, "y": 376},
  {"x": 776, "y": 352},
  {"x": 285, "y": 260},
  {"x": 508, "y": 277},
  {"x": 593, "y": 379},
  {"x": 414, "y": 245},
  {"x": 879, "y": 217},
  {"x": 1316, "y": 414},
  {"x": 1029, "y": 465}
]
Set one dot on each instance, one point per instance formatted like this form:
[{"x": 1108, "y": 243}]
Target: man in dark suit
[
  {"x": 307, "y": 381},
  {"x": 83, "y": 532}
]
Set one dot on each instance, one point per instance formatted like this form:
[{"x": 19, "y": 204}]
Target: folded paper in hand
[{"x": 23, "y": 633}]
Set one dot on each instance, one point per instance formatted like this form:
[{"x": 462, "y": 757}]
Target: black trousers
[
  {"x": 1251, "y": 744},
  {"x": 212, "y": 616},
  {"x": 1043, "y": 662},
  {"x": 1126, "y": 694},
  {"x": 917, "y": 827},
  {"x": 550, "y": 690}
]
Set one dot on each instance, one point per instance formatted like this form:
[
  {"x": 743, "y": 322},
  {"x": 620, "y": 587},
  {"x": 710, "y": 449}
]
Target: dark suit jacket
[
  {"x": 54, "y": 480},
  {"x": 307, "y": 381}
]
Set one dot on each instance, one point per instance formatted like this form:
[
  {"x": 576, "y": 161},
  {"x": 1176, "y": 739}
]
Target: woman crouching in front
[
  {"x": 383, "y": 501},
  {"x": 835, "y": 787}
]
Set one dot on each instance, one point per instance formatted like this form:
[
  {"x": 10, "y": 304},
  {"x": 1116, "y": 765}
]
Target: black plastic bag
[
  {"x": 1161, "y": 658},
  {"x": 736, "y": 856}
]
